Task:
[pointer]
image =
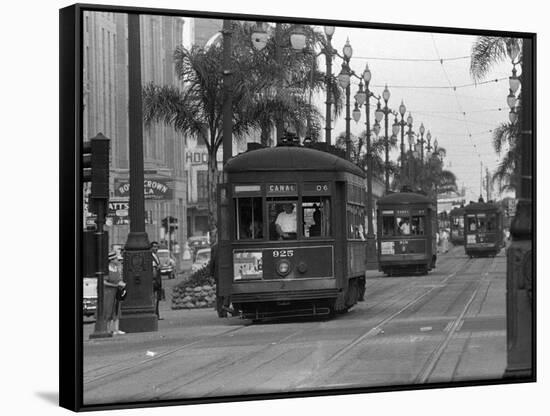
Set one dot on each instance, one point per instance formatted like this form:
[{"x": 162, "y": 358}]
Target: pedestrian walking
[
  {"x": 157, "y": 279},
  {"x": 113, "y": 293},
  {"x": 444, "y": 241}
]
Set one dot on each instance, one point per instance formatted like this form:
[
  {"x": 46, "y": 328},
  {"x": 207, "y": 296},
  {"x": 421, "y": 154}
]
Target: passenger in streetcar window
[
  {"x": 256, "y": 229},
  {"x": 405, "y": 227},
  {"x": 315, "y": 229},
  {"x": 273, "y": 234},
  {"x": 286, "y": 223}
]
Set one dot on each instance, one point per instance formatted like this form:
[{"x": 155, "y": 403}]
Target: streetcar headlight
[{"x": 283, "y": 267}]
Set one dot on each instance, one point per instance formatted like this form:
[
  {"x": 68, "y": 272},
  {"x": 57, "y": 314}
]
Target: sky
[{"x": 461, "y": 119}]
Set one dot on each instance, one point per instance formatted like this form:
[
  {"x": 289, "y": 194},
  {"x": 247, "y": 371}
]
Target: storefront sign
[{"x": 152, "y": 188}]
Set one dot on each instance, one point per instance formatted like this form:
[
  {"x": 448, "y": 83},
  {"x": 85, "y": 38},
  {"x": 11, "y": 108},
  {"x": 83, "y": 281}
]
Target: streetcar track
[
  {"x": 157, "y": 357},
  {"x": 239, "y": 360},
  {"x": 139, "y": 366},
  {"x": 433, "y": 359},
  {"x": 376, "y": 329}
]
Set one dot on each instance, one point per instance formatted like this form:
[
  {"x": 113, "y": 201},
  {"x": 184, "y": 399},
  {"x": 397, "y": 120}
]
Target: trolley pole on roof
[{"x": 519, "y": 270}]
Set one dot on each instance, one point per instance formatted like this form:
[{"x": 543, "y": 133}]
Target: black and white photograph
[
  {"x": 276, "y": 207},
  {"x": 259, "y": 205}
]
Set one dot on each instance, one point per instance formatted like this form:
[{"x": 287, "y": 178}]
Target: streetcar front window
[
  {"x": 316, "y": 217},
  {"x": 418, "y": 224},
  {"x": 282, "y": 218},
  {"x": 491, "y": 223},
  {"x": 249, "y": 221},
  {"x": 388, "y": 225},
  {"x": 471, "y": 223}
]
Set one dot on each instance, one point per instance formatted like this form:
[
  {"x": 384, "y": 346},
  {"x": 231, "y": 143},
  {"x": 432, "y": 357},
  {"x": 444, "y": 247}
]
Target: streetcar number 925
[{"x": 283, "y": 253}]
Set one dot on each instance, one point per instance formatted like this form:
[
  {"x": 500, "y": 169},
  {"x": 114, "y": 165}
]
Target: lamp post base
[
  {"x": 139, "y": 321},
  {"x": 372, "y": 255},
  {"x": 104, "y": 334},
  {"x": 138, "y": 312}
]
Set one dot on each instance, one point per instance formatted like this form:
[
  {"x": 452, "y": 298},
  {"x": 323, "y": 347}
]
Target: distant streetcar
[
  {"x": 483, "y": 222},
  {"x": 291, "y": 234},
  {"x": 407, "y": 227},
  {"x": 456, "y": 217}
]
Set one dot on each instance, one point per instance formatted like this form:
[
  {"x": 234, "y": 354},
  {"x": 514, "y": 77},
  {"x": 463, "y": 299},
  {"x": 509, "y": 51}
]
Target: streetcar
[
  {"x": 457, "y": 225},
  {"x": 407, "y": 227},
  {"x": 291, "y": 234},
  {"x": 483, "y": 229}
]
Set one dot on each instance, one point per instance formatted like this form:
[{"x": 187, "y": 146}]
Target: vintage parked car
[
  {"x": 201, "y": 259},
  {"x": 89, "y": 296},
  {"x": 195, "y": 243},
  {"x": 167, "y": 263}
]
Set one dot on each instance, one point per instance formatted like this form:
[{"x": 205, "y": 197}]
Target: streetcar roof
[
  {"x": 404, "y": 198},
  {"x": 290, "y": 158},
  {"x": 481, "y": 206},
  {"x": 457, "y": 211}
]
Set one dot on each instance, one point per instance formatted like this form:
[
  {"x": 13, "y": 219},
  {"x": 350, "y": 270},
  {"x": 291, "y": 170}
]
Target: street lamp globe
[
  {"x": 361, "y": 95},
  {"x": 344, "y": 77},
  {"x": 513, "y": 116},
  {"x": 514, "y": 82},
  {"x": 367, "y": 74},
  {"x": 259, "y": 36},
  {"x": 376, "y": 128},
  {"x": 356, "y": 114},
  {"x": 435, "y": 144},
  {"x": 329, "y": 30},
  {"x": 511, "y": 100},
  {"x": 395, "y": 127},
  {"x": 386, "y": 93},
  {"x": 429, "y": 136},
  {"x": 402, "y": 109},
  {"x": 379, "y": 113},
  {"x": 347, "y": 50},
  {"x": 422, "y": 129},
  {"x": 298, "y": 38},
  {"x": 410, "y": 120},
  {"x": 411, "y": 140}
]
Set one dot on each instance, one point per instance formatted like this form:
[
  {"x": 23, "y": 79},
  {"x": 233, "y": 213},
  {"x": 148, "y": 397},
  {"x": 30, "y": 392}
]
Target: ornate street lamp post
[
  {"x": 344, "y": 81},
  {"x": 519, "y": 270},
  {"x": 386, "y": 97},
  {"x": 363, "y": 97},
  {"x": 402, "y": 124},
  {"x": 137, "y": 309}
]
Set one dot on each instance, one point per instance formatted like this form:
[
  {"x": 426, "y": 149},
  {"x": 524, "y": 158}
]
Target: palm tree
[
  {"x": 505, "y": 142},
  {"x": 196, "y": 109},
  {"x": 488, "y": 51},
  {"x": 358, "y": 153}
]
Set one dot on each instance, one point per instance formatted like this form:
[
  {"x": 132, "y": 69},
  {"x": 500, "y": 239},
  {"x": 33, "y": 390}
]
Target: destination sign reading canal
[{"x": 282, "y": 189}]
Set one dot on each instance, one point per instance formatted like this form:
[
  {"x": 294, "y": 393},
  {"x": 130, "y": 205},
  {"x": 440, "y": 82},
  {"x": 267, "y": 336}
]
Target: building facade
[{"x": 105, "y": 103}]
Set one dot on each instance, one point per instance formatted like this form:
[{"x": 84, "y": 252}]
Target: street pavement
[{"x": 446, "y": 326}]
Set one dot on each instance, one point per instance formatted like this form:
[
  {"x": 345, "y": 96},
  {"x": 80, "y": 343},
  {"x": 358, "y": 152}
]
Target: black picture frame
[{"x": 71, "y": 205}]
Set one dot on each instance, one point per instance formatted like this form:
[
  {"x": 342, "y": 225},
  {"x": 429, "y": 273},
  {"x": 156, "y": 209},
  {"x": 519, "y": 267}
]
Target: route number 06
[
  {"x": 283, "y": 253},
  {"x": 322, "y": 188}
]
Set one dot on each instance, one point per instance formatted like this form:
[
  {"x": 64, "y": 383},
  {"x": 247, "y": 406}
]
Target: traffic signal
[
  {"x": 95, "y": 166},
  {"x": 170, "y": 224}
]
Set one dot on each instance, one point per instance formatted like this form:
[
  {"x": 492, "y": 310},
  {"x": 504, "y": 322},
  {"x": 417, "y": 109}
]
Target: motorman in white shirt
[{"x": 286, "y": 223}]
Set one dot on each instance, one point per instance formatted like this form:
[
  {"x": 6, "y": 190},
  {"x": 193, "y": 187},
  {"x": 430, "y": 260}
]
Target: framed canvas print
[{"x": 268, "y": 207}]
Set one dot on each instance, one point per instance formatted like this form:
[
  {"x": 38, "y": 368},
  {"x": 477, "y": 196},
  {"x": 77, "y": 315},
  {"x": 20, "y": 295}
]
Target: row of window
[
  {"x": 404, "y": 224},
  {"x": 278, "y": 219},
  {"x": 481, "y": 223}
]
